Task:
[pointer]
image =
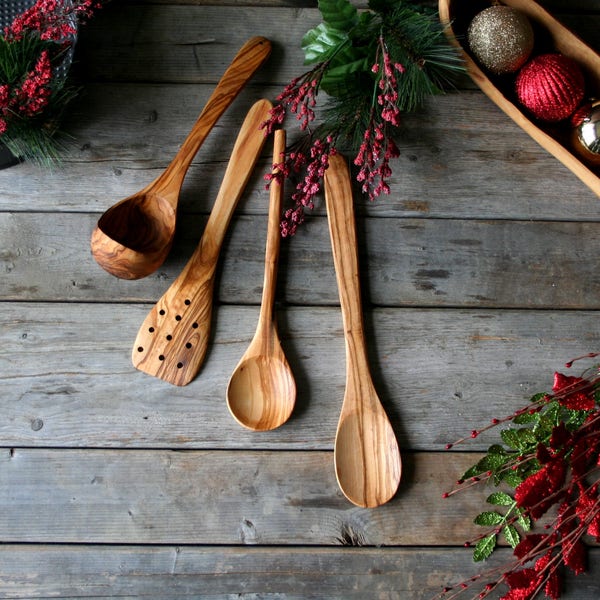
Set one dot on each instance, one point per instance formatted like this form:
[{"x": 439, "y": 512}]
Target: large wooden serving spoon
[
  {"x": 134, "y": 236},
  {"x": 262, "y": 392},
  {"x": 173, "y": 339},
  {"x": 367, "y": 458}
]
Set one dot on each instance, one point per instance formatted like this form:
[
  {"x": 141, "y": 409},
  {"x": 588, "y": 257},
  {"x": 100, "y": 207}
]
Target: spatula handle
[{"x": 244, "y": 155}]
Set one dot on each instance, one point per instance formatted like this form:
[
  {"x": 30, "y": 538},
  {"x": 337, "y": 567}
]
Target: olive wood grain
[
  {"x": 457, "y": 14},
  {"x": 173, "y": 339},
  {"x": 262, "y": 392},
  {"x": 367, "y": 457},
  {"x": 133, "y": 237}
]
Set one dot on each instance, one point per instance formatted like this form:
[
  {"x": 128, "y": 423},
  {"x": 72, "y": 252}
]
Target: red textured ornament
[{"x": 550, "y": 86}]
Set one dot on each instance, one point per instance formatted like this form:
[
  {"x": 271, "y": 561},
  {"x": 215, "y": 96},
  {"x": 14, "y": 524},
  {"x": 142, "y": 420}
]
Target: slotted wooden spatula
[{"x": 172, "y": 341}]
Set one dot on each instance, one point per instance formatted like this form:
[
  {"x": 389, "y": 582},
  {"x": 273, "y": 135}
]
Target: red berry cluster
[
  {"x": 311, "y": 158},
  {"x": 53, "y": 21}
]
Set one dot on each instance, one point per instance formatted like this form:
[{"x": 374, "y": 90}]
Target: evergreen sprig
[
  {"x": 373, "y": 65},
  {"x": 34, "y": 137},
  {"x": 348, "y": 42}
]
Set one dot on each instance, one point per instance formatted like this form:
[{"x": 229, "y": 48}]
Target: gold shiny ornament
[
  {"x": 501, "y": 38},
  {"x": 586, "y": 136}
]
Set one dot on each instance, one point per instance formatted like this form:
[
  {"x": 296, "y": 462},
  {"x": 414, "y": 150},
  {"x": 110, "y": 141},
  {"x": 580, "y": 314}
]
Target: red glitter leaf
[
  {"x": 565, "y": 389},
  {"x": 537, "y": 492},
  {"x": 574, "y": 556},
  {"x": 528, "y": 543},
  {"x": 594, "y": 527},
  {"x": 553, "y": 586},
  {"x": 522, "y": 584},
  {"x": 543, "y": 454},
  {"x": 560, "y": 436}
]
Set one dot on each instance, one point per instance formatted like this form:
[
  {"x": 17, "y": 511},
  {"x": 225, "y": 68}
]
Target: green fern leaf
[{"x": 500, "y": 499}]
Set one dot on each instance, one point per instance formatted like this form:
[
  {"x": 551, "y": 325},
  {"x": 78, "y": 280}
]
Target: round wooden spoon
[
  {"x": 367, "y": 458},
  {"x": 133, "y": 237},
  {"x": 262, "y": 392}
]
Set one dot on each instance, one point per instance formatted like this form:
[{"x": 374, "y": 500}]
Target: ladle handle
[
  {"x": 244, "y": 155},
  {"x": 273, "y": 232},
  {"x": 342, "y": 229},
  {"x": 245, "y": 63}
]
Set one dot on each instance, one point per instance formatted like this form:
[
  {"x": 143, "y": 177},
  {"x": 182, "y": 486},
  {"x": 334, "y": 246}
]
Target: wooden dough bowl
[{"x": 550, "y": 36}]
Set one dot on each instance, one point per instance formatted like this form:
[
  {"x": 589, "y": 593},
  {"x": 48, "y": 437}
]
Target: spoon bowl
[
  {"x": 262, "y": 392},
  {"x": 133, "y": 237},
  {"x": 366, "y": 453}
]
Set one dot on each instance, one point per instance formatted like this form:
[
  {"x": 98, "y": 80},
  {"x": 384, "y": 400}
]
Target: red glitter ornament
[{"x": 550, "y": 86}]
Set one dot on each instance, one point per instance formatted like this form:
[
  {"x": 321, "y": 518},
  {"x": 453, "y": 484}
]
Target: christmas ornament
[
  {"x": 501, "y": 38},
  {"x": 550, "y": 86},
  {"x": 586, "y": 136}
]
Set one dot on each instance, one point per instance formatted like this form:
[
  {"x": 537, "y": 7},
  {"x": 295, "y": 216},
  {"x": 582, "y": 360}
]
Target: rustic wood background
[{"x": 480, "y": 278}]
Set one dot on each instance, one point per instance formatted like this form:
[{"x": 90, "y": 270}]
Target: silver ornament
[
  {"x": 501, "y": 38},
  {"x": 587, "y": 134}
]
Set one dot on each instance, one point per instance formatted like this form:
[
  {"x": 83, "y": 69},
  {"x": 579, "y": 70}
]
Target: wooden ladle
[
  {"x": 262, "y": 392},
  {"x": 134, "y": 236},
  {"x": 173, "y": 339},
  {"x": 367, "y": 457}
]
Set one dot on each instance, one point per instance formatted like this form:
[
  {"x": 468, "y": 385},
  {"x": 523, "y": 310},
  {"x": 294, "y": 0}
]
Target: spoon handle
[
  {"x": 273, "y": 234},
  {"x": 342, "y": 228},
  {"x": 248, "y": 59}
]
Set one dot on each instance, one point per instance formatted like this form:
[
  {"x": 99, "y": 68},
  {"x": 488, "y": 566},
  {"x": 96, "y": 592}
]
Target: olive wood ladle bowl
[
  {"x": 262, "y": 392},
  {"x": 366, "y": 454},
  {"x": 134, "y": 236}
]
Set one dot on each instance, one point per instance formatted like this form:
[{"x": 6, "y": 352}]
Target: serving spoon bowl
[
  {"x": 133, "y": 237},
  {"x": 366, "y": 454},
  {"x": 262, "y": 392}
]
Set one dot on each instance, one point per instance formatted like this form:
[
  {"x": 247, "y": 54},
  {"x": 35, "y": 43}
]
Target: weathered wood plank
[
  {"x": 173, "y": 572},
  {"x": 168, "y": 43},
  {"x": 67, "y": 379},
  {"x": 171, "y": 43},
  {"x": 405, "y": 262},
  {"x": 223, "y": 497},
  {"x": 461, "y": 158}
]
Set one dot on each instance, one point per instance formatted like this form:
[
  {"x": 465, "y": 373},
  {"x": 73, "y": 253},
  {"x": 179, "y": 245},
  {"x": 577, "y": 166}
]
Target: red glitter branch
[{"x": 558, "y": 468}]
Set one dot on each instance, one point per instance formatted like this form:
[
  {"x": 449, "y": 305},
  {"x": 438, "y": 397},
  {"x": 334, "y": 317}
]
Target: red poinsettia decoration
[{"x": 553, "y": 462}]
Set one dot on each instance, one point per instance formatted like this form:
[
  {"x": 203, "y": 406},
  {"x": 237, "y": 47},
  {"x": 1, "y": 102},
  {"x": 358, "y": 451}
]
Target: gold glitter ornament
[{"x": 501, "y": 38}]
